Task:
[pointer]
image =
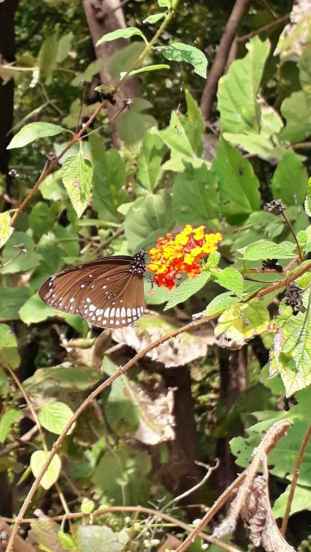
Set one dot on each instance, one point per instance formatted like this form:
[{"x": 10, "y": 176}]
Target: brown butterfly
[{"x": 108, "y": 293}]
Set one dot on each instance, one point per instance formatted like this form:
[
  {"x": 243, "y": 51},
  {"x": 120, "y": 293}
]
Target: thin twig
[
  {"x": 264, "y": 28},
  {"x": 295, "y": 477},
  {"x": 24, "y": 439},
  {"x": 292, "y": 231},
  {"x": 102, "y": 511},
  {"x": 57, "y": 444}
]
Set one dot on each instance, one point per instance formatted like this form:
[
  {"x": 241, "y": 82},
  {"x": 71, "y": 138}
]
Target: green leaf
[
  {"x": 6, "y": 230},
  {"x": 66, "y": 541},
  {"x": 52, "y": 188},
  {"x": 194, "y": 124},
  {"x": 243, "y": 321},
  {"x": 146, "y": 69},
  {"x": 186, "y": 289},
  {"x": 154, "y": 18},
  {"x": 266, "y": 249},
  {"x": 38, "y": 459},
  {"x": 179, "y": 51},
  {"x": 33, "y": 131},
  {"x": 230, "y": 278},
  {"x": 11, "y": 300},
  {"x": 54, "y": 416},
  {"x": 64, "y": 46},
  {"x": 155, "y": 295},
  {"x": 296, "y": 110},
  {"x": 149, "y": 169},
  {"x": 120, "y": 410},
  {"x": 304, "y": 69},
  {"x": 41, "y": 218},
  {"x": 92, "y": 538},
  {"x": 301, "y": 501},
  {"x": 9, "y": 355},
  {"x": 47, "y": 59},
  {"x": 195, "y": 196},
  {"x": 307, "y": 204},
  {"x": 87, "y": 506},
  {"x": 123, "y": 474},
  {"x": 108, "y": 181},
  {"x": 62, "y": 379},
  {"x": 77, "y": 176},
  {"x": 149, "y": 217},
  {"x": 220, "y": 303},
  {"x": 19, "y": 254},
  {"x": 238, "y": 89},
  {"x": 128, "y": 32},
  {"x": 133, "y": 123},
  {"x": 7, "y": 421},
  {"x": 238, "y": 185},
  {"x": 291, "y": 357},
  {"x": 289, "y": 181}
]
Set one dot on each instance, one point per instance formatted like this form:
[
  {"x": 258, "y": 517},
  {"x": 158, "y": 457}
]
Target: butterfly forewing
[{"x": 108, "y": 293}]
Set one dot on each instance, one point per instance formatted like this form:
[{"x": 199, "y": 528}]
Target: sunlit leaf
[
  {"x": 7, "y": 421},
  {"x": 186, "y": 289},
  {"x": 6, "y": 230},
  {"x": 289, "y": 181},
  {"x": 54, "y": 416},
  {"x": 92, "y": 538},
  {"x": 179, "y": 51},
  {"x": 34, "y": 131},
  {"x": 77, "y": 176},
  {"x": 265, "y": 249},
  {"x": 127, "y": 32},
  {"x": 9, "y": 355},
  {"x": 37, "y": 461}
]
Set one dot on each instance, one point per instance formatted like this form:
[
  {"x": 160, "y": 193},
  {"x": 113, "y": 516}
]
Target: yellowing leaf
[
  {"x": 6, "y": 229},
  {"x": 37, "y": 461}
]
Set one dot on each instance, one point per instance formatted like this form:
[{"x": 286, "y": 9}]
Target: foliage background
[{"x": 156, "y": 158}]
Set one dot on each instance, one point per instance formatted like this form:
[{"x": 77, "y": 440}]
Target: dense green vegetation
[{"x": 135, "y": 142}]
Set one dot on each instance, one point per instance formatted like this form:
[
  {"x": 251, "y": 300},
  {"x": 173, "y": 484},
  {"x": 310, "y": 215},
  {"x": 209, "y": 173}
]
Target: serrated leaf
[
  {"x": 195, "y": 196},
  {"x": 296, "y": 110},
  {"x": 34, "y": 131},
  {"x": 289, "y": 182},
  {"x": 7, "y": 420},
  {"x": 38, "y": 459},
  {"x": 127, "y": 32},
  {"x": 6, "y": 230},
  {"x": 179, "y": 51},
  {"x": 77, "y": 176},
  {"x": 108, "y": 180},
  {"x": 238, "y": 184},
  {"x": 149, "y": 217},
  {"x": 238, "y": 89},
  {"x": 54, "y": 416},
  {"x": 149, "y": 168},
  {"x": 291, "y": 354},
  {"x": 19, "y": 254},
  {"x": 220, "y": 303},
  {"x": 9, "y": 355},
  {"x": 186, "y": 289},
  {"x": 230, "y": 278},
  {"x": 266, "y": 249}
]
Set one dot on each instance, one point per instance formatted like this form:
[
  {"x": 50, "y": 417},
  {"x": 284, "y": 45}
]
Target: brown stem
[
  {"x": 295, "y": 477},
  {"x": 137, "y": 510},
  {"x": 281, "y": 283},
  {"x": 264, "y": 28},
  {"x": 220, "y": 60},
  {"x": 243, "y": 481},
  {"x": 292, "y": 231}
]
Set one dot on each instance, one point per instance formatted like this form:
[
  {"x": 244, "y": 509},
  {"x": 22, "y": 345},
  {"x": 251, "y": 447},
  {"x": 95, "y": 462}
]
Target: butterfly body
[{"x": 108, "y": 293}]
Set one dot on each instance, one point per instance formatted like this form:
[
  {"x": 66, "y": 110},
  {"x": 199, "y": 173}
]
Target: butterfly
[{"x": 108, "y": 293}]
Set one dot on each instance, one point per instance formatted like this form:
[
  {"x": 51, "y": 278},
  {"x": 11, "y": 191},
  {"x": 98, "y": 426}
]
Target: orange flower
[{"x": 180, "y": 254}]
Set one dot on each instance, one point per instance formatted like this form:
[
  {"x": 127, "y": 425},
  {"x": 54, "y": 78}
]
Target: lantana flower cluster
[{"x": 181, "y": 254}]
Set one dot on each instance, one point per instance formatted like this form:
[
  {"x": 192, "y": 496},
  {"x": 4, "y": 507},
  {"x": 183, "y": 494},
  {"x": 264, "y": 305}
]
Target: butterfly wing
[
  {"x": 115, "y": 299},
  {"x": 106, "y": 292}
]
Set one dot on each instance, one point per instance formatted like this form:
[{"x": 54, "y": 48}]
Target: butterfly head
[{"x": 138, "y": 264}]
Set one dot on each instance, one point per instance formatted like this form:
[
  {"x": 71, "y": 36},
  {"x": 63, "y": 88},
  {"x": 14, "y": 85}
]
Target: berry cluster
[
  {"x": 293, "y": 298},
  {"x": 276, "y": 206}
]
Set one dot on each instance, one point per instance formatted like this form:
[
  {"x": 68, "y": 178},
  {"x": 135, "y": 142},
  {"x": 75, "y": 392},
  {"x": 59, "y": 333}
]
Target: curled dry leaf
[
  {"x": 257, "y": 515},
  {"x": 177, "y": 351},
  {"x": 156, "y": 421}
]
